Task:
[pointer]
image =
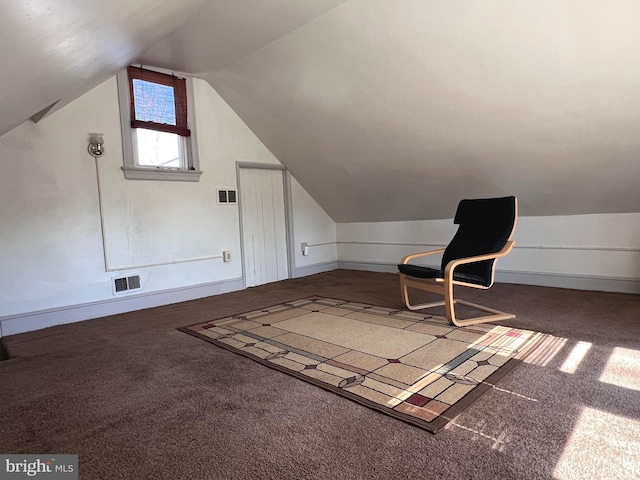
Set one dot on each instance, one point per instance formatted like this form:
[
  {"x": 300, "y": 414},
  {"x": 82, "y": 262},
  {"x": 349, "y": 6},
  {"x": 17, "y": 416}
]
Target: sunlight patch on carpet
[
  {"x": 600, "y": 431},
  {"x": 623, "y": 368},
  {"x": 409, "y": 365}
]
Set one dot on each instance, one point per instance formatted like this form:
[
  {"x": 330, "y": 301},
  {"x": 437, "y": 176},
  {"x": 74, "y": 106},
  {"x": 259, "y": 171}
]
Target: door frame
[{"x": 288, "y": 212}]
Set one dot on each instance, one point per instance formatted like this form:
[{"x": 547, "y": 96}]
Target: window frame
[{"x": 130, "y": 168}]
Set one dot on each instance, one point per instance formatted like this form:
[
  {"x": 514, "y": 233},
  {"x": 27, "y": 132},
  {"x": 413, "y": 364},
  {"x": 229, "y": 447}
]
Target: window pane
[
  {"x": 158, "y": 149},
  {"x": 154, "y": 102}
]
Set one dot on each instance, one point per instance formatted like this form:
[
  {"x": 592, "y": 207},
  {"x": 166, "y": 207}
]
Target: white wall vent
[{"x": 126, "y": 284}]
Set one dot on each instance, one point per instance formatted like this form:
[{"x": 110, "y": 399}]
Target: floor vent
[{"x": 126, "y": 284}]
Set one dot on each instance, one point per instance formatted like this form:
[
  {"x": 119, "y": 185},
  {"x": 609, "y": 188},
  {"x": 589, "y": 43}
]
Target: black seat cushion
[{"x": 427, "y": 272}]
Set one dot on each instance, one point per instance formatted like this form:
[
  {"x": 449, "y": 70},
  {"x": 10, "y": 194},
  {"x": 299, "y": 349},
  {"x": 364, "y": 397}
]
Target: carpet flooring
[
  {"x": 413, "y": 366},
  {"x": 137, "y": 399}
]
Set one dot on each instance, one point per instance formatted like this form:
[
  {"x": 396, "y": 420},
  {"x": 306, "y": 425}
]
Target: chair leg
[
  {"x": 496, "y": 317},
  {"x": 449, "y": 304},
  {"x": 404, "y": 292},
  {"x": 451, "y": 312}
]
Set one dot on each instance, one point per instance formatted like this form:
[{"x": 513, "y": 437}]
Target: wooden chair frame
[{"x": 444, "y": 286}]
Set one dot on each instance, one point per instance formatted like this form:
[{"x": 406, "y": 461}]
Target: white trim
[
  {"x": 315, "y": 268},
  {"x": 122, "y": 80},
  {"x": 386, "y": 267},
  {"x": 576, "y": 282},
  {"x": 25, "y": 322},
  {"x": 321, "y": 244},
  {"x": 518, "y": 246},
  {"x": 162, "y": 264},
  {"x": 392, "y": 244},
  {"x": 193, "y": 153},
  {"x": 557, "y": 280},
  {"x": 288, "y": 219},
  {"x": 578, "y": 247},
  {"x": 151, "y": 173}
]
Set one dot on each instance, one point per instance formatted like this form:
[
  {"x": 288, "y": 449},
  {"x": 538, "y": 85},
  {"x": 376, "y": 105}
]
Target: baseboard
[
  {"x": 316, "y": 268},
  {"x": 577, "y": 282},
  {"x": 370, "y": 266},
  {"x": 25, "y": 322}
]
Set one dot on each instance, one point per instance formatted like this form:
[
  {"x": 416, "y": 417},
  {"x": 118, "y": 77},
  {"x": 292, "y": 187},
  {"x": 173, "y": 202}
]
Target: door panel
[{"x": 264, "y": 234}]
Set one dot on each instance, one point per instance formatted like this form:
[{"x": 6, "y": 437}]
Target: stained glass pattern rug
[{"x": 409, "y": 365}]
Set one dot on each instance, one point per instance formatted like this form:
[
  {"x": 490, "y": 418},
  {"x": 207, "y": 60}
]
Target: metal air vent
[
  {"x": 125, "y": 284},
  {"x": 227, "y": 197}
]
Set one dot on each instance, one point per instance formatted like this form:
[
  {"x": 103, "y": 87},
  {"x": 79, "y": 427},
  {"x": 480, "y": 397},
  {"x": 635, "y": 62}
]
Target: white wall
[
  {"x": 315, "y": 228},
  {"x": 53, "y": 268},
  {"x": 595, "y": 252}
]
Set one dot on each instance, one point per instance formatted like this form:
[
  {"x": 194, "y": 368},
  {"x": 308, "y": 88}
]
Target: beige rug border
[{"x": 434, "y": 426}]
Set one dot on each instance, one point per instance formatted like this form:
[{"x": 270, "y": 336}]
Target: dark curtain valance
[{"x": 155, "y": 110}]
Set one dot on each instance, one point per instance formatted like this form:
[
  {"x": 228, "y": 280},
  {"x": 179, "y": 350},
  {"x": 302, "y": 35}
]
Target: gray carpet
[{"x": 137, "y": 399}]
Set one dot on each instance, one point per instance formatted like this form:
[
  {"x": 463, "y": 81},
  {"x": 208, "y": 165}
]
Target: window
[{"x": 156, "y": 116}]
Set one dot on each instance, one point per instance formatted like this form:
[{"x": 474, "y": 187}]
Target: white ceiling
[
  {"x": 56, "y": 50},
  {"x": 382, "y": 110},
  {"x": 222, "y": 32}
]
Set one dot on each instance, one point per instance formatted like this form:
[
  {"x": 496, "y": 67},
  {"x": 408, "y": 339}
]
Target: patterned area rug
[{"x": 413, "y": 366}]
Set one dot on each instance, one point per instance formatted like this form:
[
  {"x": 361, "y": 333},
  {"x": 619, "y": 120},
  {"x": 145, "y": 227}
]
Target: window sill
[{"x": 141, "y": 173}]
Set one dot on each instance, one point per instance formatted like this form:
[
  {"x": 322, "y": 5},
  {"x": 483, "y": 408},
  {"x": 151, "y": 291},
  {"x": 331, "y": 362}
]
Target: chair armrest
[
  {"x": 421, "y": 254},
  {"x": 448, "y": 271}
]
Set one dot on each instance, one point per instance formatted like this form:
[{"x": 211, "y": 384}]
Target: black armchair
[{"x": 484, "y": 234}]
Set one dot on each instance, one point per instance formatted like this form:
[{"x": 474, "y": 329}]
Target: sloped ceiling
[
  {"x": 53, "y": 51},
  {"x": 383, "y": 110},
  {"x": 222, "y": 32},
  {"x": 395, "y": 110}
]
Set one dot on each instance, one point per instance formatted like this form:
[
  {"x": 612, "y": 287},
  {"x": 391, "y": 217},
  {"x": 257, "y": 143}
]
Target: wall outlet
[
  {"x": 305, "y": 248},
  {"x": 226, "y": 256}
]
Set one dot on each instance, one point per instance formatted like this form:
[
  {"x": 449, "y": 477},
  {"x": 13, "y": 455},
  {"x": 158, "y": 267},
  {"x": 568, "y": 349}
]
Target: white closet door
[{"x": 264, "y": 234}]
